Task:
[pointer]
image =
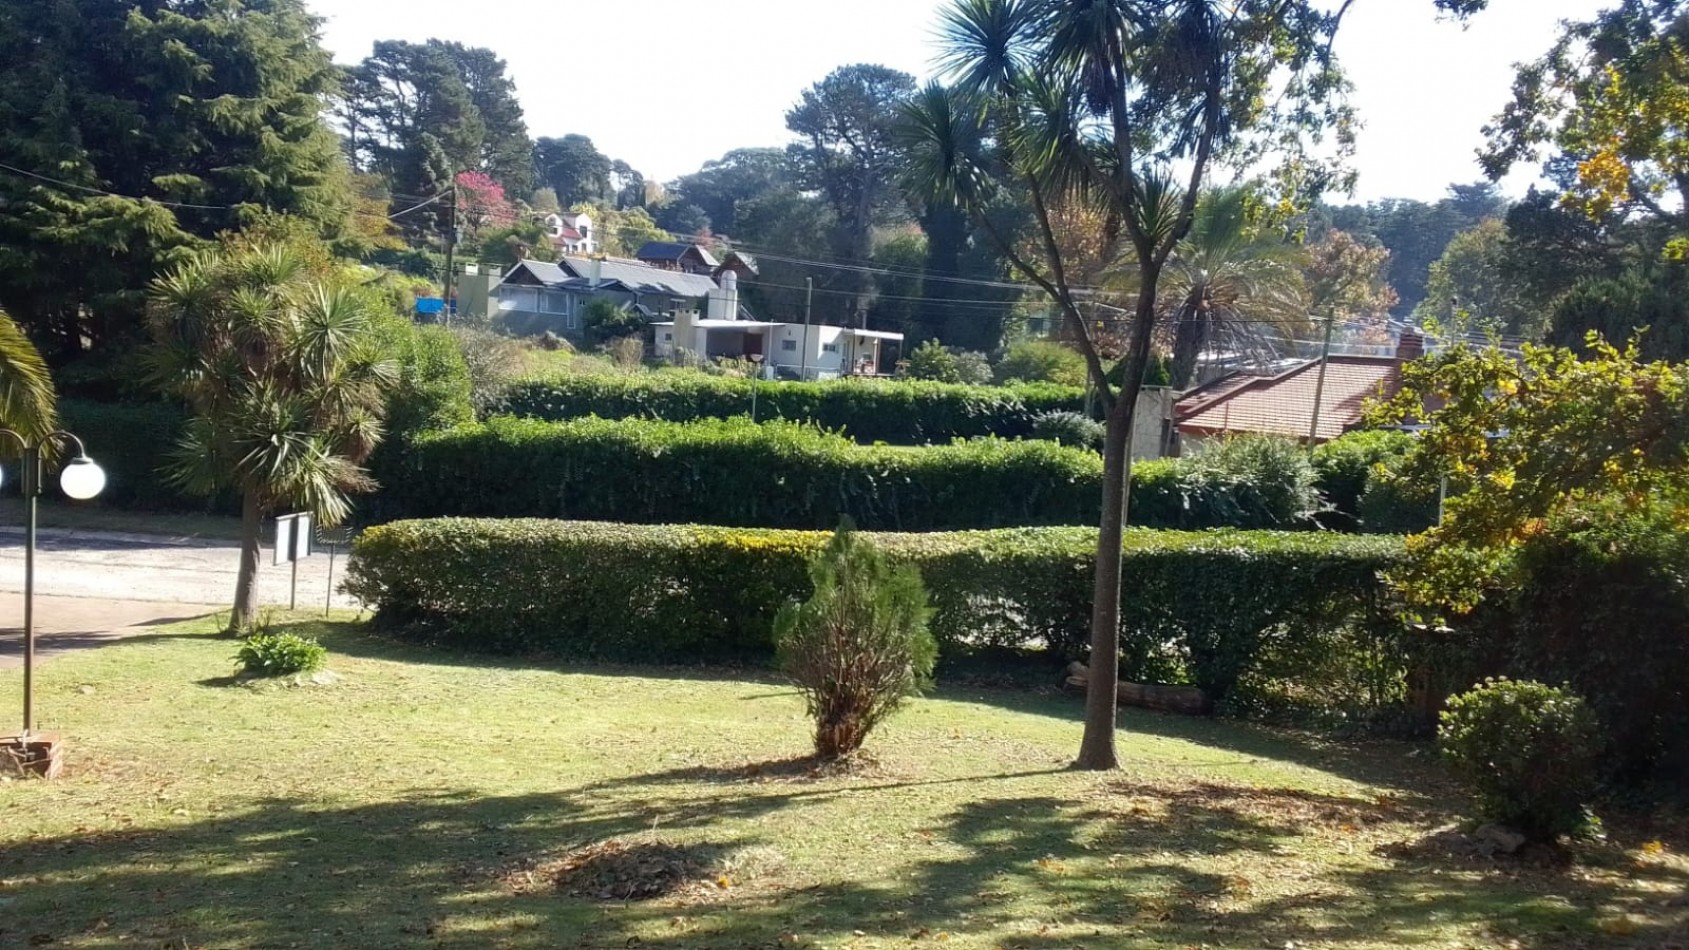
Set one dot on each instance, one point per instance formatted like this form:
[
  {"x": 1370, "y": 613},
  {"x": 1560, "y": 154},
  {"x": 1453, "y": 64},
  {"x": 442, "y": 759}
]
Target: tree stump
[{"x": 1185, "y": 700}]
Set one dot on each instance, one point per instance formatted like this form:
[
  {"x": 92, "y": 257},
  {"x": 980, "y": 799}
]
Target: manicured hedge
[
  {"x": 1218, "y": 609},
  {"x": 903, "y": 412},
  {"x": 785, "y": 475}
]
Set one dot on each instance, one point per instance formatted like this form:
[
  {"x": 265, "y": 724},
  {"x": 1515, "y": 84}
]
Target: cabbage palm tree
[
  {"x": 26, "y": 388},
  {"x": 275, "y": 358},
  {"x": 1099, "y": 102},
  {"x": 1229, "y": 280}
]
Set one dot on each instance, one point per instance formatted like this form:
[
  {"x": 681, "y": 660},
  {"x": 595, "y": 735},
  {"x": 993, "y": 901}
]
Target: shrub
[
  {"x": 132, "y": 441},
  {"x": 1344, "y": 467},
  {"x": 972, "y": 368},
  {"x": 603, "y": 321},
  {"x": 1210, "y": 609},
  {"x": 903, "y": 412},
  {"x": 931, "y": 361},
  {"x": 1070, "y": 428},
  {"x": 1042, "y": 361},
  {"x": 859, "y": 645},
  {"x": 492, "y": 361},
  {"x": 1527, "y": 751},
  {"x": 627, "y": 352},
  {"x": 279, "y": 654},
  {"x": 1243, "y": 482},
  {"x": 1394, "y": 504},
  {"x": 1599, "y": 598}
]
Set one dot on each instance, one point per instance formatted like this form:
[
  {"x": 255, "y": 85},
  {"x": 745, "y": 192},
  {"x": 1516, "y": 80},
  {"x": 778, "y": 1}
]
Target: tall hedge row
[
  {"x": 903, "y": 412},
  {"x": 132, "y": 442},
  {"x": 1215, "y": 609},
  {"x": 785, "y": 475}
]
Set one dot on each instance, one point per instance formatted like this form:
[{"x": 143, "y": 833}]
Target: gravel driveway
[{"x": 112, "y": 566}]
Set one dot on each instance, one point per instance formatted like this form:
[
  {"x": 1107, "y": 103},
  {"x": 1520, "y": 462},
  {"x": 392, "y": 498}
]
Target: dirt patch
[{"x": 620, "y": 870}]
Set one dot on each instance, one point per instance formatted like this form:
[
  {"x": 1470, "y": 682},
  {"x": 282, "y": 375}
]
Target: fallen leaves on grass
[{"x": 622, "y": 870}]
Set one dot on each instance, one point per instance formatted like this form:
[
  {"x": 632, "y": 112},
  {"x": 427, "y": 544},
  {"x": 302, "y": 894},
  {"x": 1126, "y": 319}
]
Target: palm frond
[
  {"x": 984, "y": 43},
  {"x": 27, "y": 400}
]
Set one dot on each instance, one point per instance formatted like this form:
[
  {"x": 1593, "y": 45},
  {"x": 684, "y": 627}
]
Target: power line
[{"x": 110, "y": 194}]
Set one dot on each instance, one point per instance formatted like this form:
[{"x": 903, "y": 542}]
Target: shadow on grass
[{"x": 1019, "y": 870}]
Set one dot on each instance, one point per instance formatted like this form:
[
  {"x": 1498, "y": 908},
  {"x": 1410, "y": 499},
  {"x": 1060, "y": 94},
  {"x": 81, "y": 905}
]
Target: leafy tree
[
  {"x": 847, "y": 123},
  {"x": 1609, "y": 99},
  {"x": 1532, "y": 438},
  {"x": 897, "y": 305},
  {"x": 860, "y": 645},
  {"x": 1470, "y": 287},
  {"x": 622, "y": 233},
  {"x": 1042, "y": 361},
  {"x": 481, "y": 203},
  {"x": 504, "y": 246},
  {"x": 718, "y": 189},
  {"x": 1345, "y": 277},
  {"x": 605, "y": 322},
  {"x": 574, "y": 168},
  {"x": 1652, "y": 297},
  {"x": 1416, "y": 232},
  {"x": 169, "y": 123},
  {"x": 418, "y": 113},
  {"x": 275, "y": 357},
  {"x": 1096, "y": 104}
]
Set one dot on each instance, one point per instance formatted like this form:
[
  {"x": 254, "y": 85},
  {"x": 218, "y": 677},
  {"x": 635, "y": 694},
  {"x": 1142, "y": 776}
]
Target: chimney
[
  {"x": 597, "y": 272},
  {"x": 724, "y": 301},
  {"x": 1411, "y": 346}
]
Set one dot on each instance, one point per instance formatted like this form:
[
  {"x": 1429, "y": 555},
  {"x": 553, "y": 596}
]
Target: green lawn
[{"x": 425, "y": 800}]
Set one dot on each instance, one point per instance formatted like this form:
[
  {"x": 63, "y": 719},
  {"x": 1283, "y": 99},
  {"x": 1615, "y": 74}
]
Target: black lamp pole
[{"x": 86, "y": 482}]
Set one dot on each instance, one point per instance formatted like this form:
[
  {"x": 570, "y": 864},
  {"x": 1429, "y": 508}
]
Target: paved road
[
  {"x": 78, "y": 623},
  {"x": 111, "y": 566}
]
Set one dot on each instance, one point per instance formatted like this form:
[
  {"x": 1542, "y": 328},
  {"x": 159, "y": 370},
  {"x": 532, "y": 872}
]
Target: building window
[
  {"x": 788, "y": 346},
  {"x": 667, "y": 337},
  {"x": 829, "y": 347}
]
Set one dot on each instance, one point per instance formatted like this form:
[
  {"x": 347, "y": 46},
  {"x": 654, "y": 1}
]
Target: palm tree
[
  {"x": 26, "y": 387},
  {"x": 1096, "y": 103},
  {"x": 275, "y": 357},
  {"x": 1228, "y": 281}
]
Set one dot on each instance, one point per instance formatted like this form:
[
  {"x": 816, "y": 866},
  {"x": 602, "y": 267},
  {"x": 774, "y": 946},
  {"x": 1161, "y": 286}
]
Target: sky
[{"x": 667, "y": 85}]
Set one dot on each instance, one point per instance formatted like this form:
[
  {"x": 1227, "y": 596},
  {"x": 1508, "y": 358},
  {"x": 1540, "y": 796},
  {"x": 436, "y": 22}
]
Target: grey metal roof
[
  {"x": 673, "y": 251},
  {"x": 542, "y": 271},
  {"x": 642, "y": 278}
]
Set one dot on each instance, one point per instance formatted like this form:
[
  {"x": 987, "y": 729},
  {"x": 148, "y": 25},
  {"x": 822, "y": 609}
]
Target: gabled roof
[
  {"x": 641, "y": 278},
  {"x": 673, "y": 251},
  {"x": 1284, "y": 404},
  {"x": 741, "y": 261},
  {"x": 534, "y": 272}
]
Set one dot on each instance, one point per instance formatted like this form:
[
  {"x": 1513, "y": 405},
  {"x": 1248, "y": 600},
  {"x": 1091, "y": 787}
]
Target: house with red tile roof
[{"x": 1283, "y": 404}]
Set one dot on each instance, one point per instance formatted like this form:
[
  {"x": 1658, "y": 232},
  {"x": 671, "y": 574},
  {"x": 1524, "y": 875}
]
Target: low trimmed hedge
[
  {"x": 903, "y": 412},
  {"x": 1223, "y": 610},
  {"x": 786, "y": 475}
]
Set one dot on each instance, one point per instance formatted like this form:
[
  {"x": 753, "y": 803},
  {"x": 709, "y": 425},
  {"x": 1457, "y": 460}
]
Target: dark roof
[
  {"x": 740, "y": 260},
  {"x": 673, "y": 251},
  {"x": 1284, "y": 404},
  {"x": 535, "y": 272},
  {"x": 641, "y": 278}
]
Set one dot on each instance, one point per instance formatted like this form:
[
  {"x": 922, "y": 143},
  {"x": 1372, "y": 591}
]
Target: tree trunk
[
  {"x": 1096, "y": 749},
  {"x": 245, "y": 612}
]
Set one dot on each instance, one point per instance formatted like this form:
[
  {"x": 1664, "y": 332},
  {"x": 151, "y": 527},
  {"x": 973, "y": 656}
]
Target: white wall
[{"x": 820, "y": 337}]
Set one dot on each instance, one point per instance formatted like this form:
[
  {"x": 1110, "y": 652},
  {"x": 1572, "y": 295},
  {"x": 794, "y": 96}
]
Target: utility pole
[
  {"x": 808, "y": 303},
  {"x": 451, "y": 248},
  {"x": 1319, "y": 384}
]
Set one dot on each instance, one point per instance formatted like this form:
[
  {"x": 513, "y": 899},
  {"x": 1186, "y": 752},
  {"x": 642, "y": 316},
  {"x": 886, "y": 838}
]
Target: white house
[
  {"x": 571, "y": 233},
  {"x": 792, "y": 350}
]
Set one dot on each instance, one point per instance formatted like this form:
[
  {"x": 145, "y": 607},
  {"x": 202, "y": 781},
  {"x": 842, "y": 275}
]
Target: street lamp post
[{"x": 81, "y": 479}]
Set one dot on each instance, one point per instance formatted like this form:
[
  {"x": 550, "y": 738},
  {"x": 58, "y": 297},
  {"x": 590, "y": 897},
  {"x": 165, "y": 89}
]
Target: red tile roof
[{"x": 1284, "y": 404}]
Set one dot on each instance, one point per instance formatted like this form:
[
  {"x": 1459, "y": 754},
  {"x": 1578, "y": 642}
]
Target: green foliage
[
  {"x": 606, "y": 322},
  {"x": 1070, "y": 428},
  {"x": 859, "y": 645},
  {"x": 1042, "y": 361},
  {"x": 1654, "y": 296},
  {"x": 1470, "y": 290},
  {"x": 733, "y": 472},
  {"x": 1228, "y": 611},
  {"x": 213, "y": 105},
  {"x": 932, "y": 361},
  {"x": 1344, "y": 468},
  {"x": 899, "y": 413},
  {"x": 1528, "y": 752},
  {"x": 1528, "y": 438},
  {"x": 787, "y": 475},
  {"x": 1599, "y": 599},
  {"x": 279, "y": 654},
  {"x": 132, "y": 442},
  {"x": 1246, "y": 481}
]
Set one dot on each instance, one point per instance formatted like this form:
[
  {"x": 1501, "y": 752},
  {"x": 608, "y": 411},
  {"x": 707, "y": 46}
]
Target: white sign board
[{"x": 293, "y": 538}]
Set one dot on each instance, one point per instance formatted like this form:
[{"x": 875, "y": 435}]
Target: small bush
[
  {"x": 859, "y": 645},
  {"x": 279, "y": 654},
  {"x": 604, "y": 322},
  {"x": 1344, "y": 467},
  {"x": 493, "y": 361},
  {"x": 1042, "y": 361},
  {"x": 626, "y": 352},
  {"x": 1246, "y": 481},
  {"x": 1070, "y": 428},
  {"x": 1527, "y": 751},
  {"x": 931, "y": 361},
  {"x": 972, "y": 368}
]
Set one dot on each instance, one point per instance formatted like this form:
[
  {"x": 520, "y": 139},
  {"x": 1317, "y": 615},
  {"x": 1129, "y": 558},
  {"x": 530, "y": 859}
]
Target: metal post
[
  {"x": 451, "y": 248},
  {"x": 1319, "y": 384},
  {"x": 756, "y": 371},
  {"x": 293, "y": 595},
  {"x": 31, "y": 490},
  {"x": 808, "y": 302},
  {"x": 328, "y": 598}
]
